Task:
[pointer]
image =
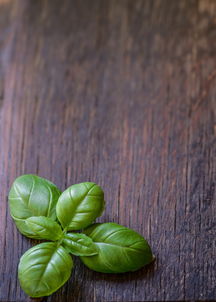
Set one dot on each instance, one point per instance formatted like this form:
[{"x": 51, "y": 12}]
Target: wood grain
[{"x": 121, "y": 93}]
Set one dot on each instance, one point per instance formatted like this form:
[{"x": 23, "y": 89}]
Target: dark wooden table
[{"x": 122, "y": 93}]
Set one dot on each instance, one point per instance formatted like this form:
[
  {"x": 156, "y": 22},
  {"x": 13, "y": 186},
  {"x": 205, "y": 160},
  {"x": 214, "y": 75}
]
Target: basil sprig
[{"x": 40, "y": 211}]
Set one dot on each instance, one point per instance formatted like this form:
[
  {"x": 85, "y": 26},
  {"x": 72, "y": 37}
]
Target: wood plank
[{"x": 121, "y": 93}]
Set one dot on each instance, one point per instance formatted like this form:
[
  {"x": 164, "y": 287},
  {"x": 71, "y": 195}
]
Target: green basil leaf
[
  {"x": 79, "y": 244},
  {"x": 23, "y": 228},
  {"x": 44, "y": 227},
  {"x": 29, "y": 196},
  {"x": 44, "y": 268},
  {"x": 80, "y": 205},
  {"x": 119, "y": 249}
]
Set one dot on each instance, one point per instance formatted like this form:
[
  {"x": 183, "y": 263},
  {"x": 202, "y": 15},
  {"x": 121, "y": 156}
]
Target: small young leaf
[
  {"x": 23, "y": 228},
  {"x": 44, "y": 268},
  {"x": 79, "y": 244},
  {"x": 119, "y": 249},
  {"x": 44, "y": 227},
  {"x": 80, "y": 205},
  {"x": 29, "y": 196}
]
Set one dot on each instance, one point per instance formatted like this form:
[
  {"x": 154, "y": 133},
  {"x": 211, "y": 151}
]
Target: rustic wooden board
[{"x": 123, "y": 93}]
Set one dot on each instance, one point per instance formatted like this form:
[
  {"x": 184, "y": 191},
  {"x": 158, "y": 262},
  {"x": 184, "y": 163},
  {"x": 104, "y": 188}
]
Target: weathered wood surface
[{"x": 122, "y": 93}]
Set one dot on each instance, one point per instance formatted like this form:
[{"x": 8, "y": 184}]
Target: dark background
[{"x": 122, "y": 93}]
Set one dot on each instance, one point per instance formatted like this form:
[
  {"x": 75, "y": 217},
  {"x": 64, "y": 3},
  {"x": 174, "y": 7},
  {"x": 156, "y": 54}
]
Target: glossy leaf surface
[
  {"x": 44, "y": 227},
  {"x": 29, "y": 196},
  {"x": 79, "y": 244},
  {"x": 44, "y": 268},
  {"x": 120, "y": 249},
  {"x": 80, "y": 205}
]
